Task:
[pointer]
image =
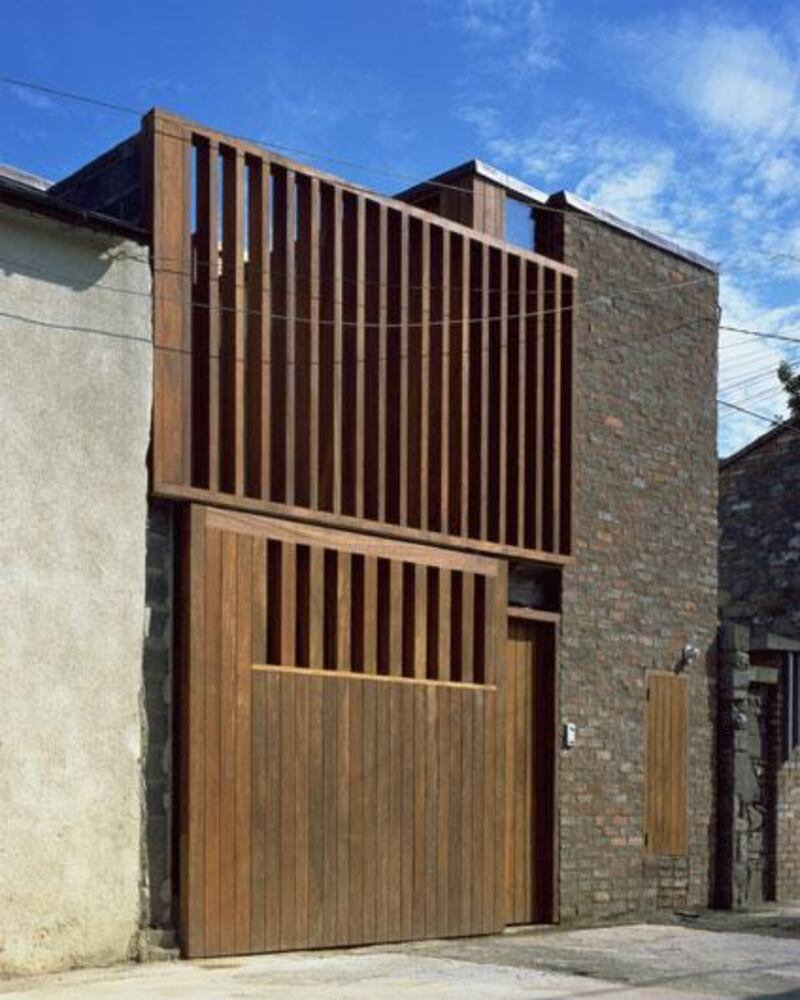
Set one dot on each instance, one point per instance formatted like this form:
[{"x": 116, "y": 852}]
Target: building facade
[{"x": 431, "y": 581}]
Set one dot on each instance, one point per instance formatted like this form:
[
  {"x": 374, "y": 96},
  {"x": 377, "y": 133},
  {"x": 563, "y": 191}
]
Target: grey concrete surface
[
  {"x": 75, "y": 385},
  {"x": 636, "y": 962}
]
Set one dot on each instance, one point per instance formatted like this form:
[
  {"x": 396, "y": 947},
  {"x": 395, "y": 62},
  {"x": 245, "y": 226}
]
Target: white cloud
[
  {"x": 521, "y": 29},
  {"x": 734, "y": 78}
]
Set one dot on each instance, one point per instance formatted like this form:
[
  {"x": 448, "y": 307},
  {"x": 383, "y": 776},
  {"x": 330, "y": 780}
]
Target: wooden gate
[
  {"x": 342, "y": 759},
  {"x": 530, "y": 758}
]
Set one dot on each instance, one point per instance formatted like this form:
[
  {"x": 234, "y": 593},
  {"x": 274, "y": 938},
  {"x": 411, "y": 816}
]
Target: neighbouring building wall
[
  {"x": 75, "y": 395},
  {"x": 644, "y": 581},
  {"x": 759, "y": 569},
  {"x": 759, "y": 549}
]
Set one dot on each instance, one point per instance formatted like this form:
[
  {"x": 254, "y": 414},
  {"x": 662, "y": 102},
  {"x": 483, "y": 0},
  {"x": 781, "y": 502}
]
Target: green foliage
[{"x": 791, "y": 383}]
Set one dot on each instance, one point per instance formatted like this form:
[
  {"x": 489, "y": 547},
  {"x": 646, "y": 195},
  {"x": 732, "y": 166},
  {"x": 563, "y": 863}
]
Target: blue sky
[{"x": 682, "y": 118}]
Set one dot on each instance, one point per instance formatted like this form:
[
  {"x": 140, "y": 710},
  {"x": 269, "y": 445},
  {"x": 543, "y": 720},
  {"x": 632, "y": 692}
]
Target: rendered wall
[
  {"x": 644, "y": 581},
  {"x": 75, "y": 395}
]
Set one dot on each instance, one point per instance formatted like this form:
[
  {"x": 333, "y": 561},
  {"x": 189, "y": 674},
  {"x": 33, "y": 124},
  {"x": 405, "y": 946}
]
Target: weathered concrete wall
[
  {"x": 75, "y": 384},
  {"x": 644, "y": 580}
]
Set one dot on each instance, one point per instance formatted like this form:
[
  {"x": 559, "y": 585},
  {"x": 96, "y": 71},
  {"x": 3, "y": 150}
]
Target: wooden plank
[
  {"x": 403, "y": 335},
  {"x": 366, "y": 529},
  {"x": 212, "y": 661},
  {"x": 279, "y": 333},
  {"x": 419, "y": 836},
  {"x": 467, "y": 460},
  {"x": 330, "y": 777},
  {"x": 372, "y": 805},
  {"x": 445, "y": 428},
  {"x": 315, "y": 333},
  {"x": 289, "y": 915},
  {"x": 370, "y": 615},
  {"x": 232, "y": 369},
  {"x": 290, "y": 334},
  {"x": 170, "y": 188},
  {"x": 317, "y": 787},
  {"x": 484, "y": 484},
  {"x": 167, "y": 120},
  {"x": 521, "y": 424},
  {"x": 510, "y": 691},
  {"x": 338, "y": 351},
  {"x": 539, "y": 423},
  {"x": 259, "y": 306},
  {"x": 384, "y": 814},
  {"x": 316, "y": 610},
  {"x": 272, "y": 838},
  {"x": 395, "y": 840},
  {"x": 243, "y": 787},
  {"x": 467, "y": 780},
  {"x": 502, "y": 404},
  {"x": 383, "y": 348},
  {"x": 555, "y": 420},
  {"x": 456, "y": 874},
  {"x": 360, "y": 422},
  {"x": 357, "y": 807},
  {"x": 301, "y": 373},
  {"x": 396, "y": 611},
  {"x": 192, "y": 665},
  {"x": 227, "y": 748},
  {"x": 425, "y": 402},
  {"x": 438, "y": 927},
  {"x": 478, "y": 799},
  {"x": 430, "y": 797},
  {"x": 271, "y": 668},
  {"x": 288, "y": 604},
  {"x": 343, "y": 605},
  {"x": 444, "y": 626},
  {"x": 407, "y": 695},
  {"x": 534, "y": 614},
  {"x": 343, "y": 693},
  {"x": 304, "y": 779},
  {"x": 467, "y": 628},
  {"x": 258, "y": 594},
  {"x": 206, "y": 322},
  {"x": 420, "y": 622}
]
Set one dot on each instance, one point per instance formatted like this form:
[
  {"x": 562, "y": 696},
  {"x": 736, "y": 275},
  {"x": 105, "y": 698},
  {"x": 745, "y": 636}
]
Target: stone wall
[
  {"x": 644, "y": 580},
  {"x": 759, "y": 549},
  {"x": 158, "y": 861},
  {"x": 759, "y": 568},
  {"x": 75, "y": 397}
]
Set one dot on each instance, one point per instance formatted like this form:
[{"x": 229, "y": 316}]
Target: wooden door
[
  {"x": 342, "y": 777},
  {"x": 530, "y": 758}
]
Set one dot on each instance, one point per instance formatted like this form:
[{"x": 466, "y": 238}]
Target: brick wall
[
  {"x": 788, "y": 831},
  {"x": 644, "y": 580}
]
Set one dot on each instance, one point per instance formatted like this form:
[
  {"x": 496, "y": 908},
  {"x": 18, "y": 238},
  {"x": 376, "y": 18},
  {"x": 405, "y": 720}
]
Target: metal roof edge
[
  {"x": 19, "y": 195},
  {"x": 579, "y": 204}
]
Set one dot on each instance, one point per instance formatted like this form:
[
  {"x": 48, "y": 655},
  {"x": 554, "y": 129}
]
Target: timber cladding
[
  {"x": 328, "y": 353},
  {"x": 666, "y": 729},
  {"x": 337, "y": 787}
]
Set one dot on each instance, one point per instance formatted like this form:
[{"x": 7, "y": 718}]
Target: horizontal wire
[{"x": 221, "y": 307}]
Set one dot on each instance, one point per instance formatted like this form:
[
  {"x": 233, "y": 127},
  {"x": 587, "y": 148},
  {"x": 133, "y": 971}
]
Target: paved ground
[{"x": 710, "y": 957}]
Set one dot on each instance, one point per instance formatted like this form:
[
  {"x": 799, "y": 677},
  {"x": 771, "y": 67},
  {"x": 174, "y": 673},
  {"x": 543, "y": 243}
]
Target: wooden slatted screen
[
  {"x": 666, "y": 728},
  {"x": 322, "y": 349},
  {"x": 342, "y": 755}
]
